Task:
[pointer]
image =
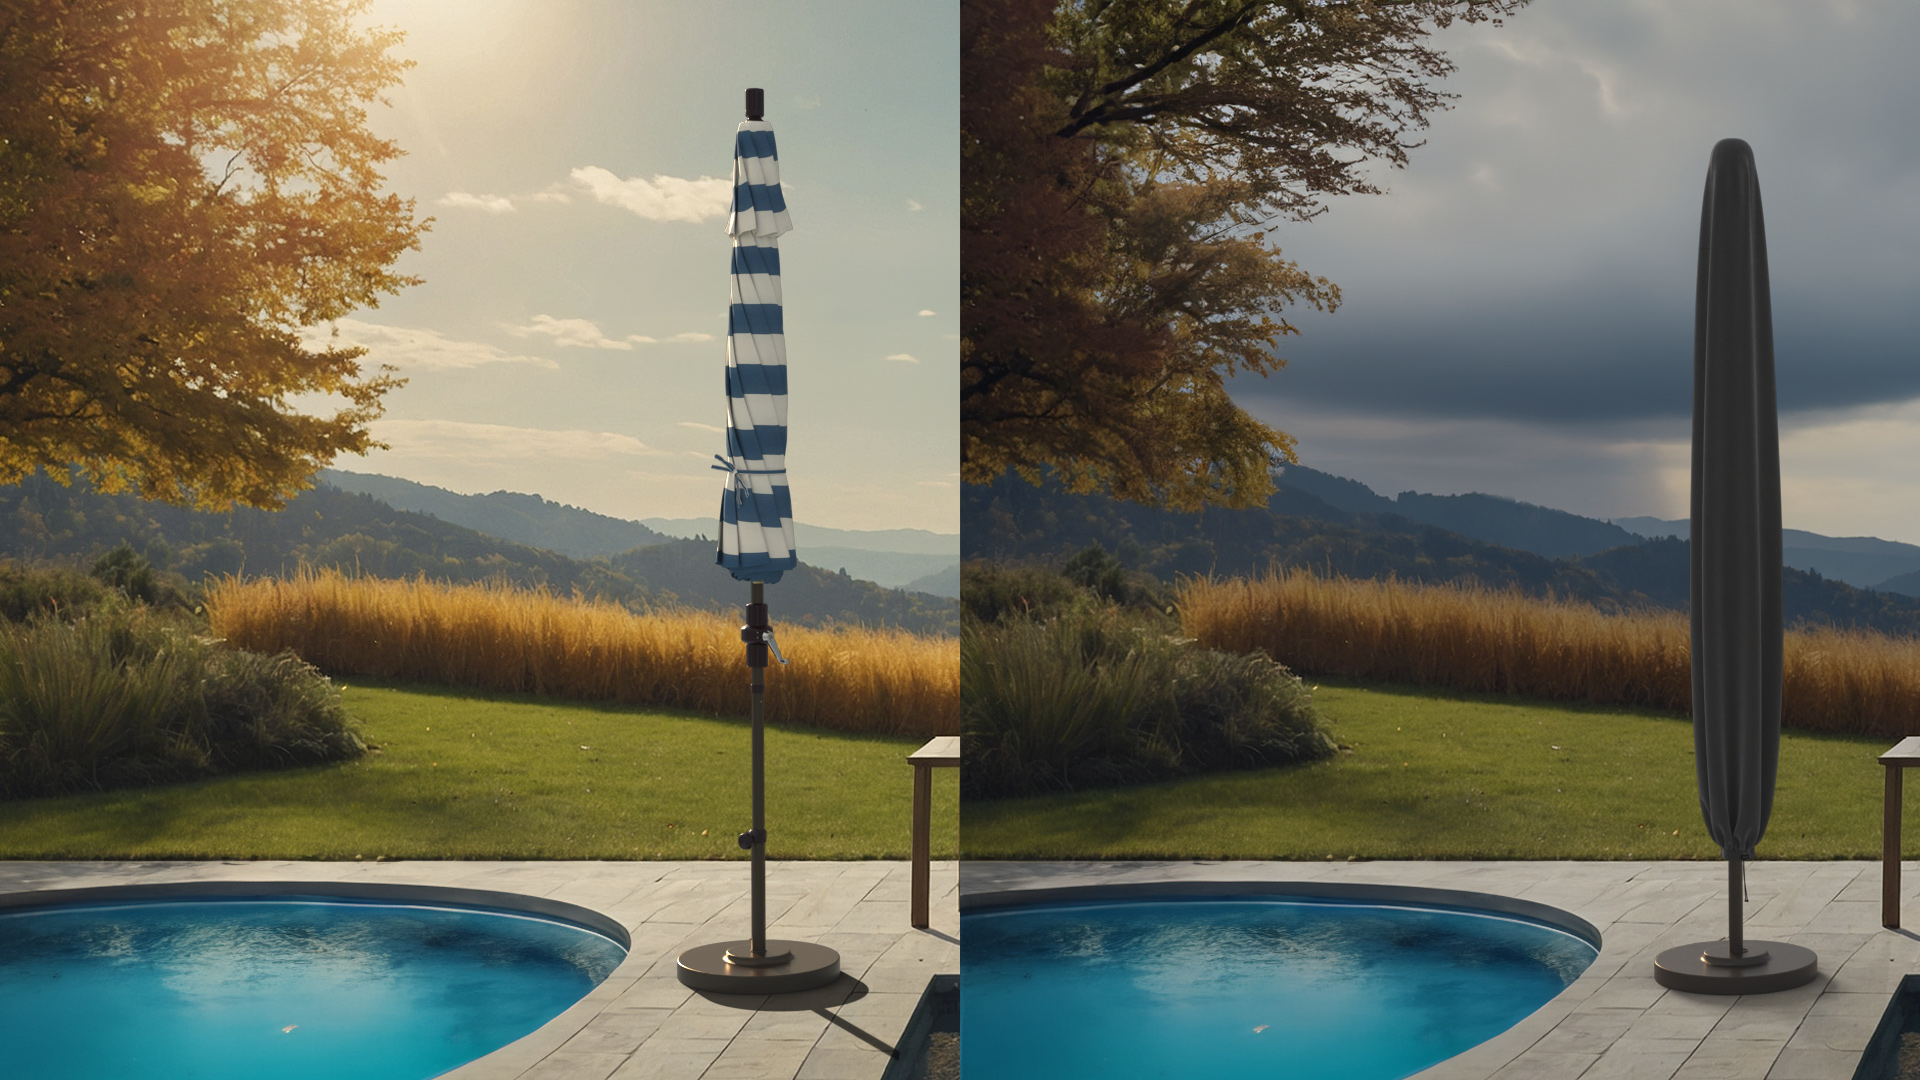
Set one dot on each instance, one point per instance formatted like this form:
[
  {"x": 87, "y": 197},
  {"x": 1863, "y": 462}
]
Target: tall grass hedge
[
  {"x": 499, "y": 637},
  {"x": 1845, "y": 681},
  {"x": 120, "y": 698},
  {"x": 1065, "y": 688}
]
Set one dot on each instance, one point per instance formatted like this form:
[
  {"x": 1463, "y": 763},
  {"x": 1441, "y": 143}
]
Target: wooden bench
[
  {"x": 1904, "y": 755},
  {"x": 941, "y": 751}
]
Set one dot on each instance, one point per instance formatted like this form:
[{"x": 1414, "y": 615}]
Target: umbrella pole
[
  {"x": 756, "y": 965},
  {"x": 1735, "y": 913},
  {"x": 757, "y": 665}
]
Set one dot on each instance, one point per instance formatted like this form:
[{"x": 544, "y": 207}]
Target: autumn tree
[
  {"x": 184, "y": 186},
  {"x": 1123, "y": 164}
]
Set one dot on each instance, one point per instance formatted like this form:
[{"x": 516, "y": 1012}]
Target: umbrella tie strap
[{"x": 740, "y": 488}]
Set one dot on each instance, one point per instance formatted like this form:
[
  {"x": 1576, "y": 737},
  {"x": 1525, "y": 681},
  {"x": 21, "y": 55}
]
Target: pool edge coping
[
  {"x": 1361, "y": 891},
  {"x": 553, "y": 910}
]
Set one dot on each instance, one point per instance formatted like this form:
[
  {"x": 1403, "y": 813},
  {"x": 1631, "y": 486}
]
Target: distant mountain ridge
[
  {"x": 912, "y": 559},
  {"x": 1012, "y": 520},
  {"x": 906, "y": 541},
  {"x": 1864, "y": 562},
  {"x": 1507, "y": 522},
  {"x": 357, "y": 533},
  {"x": 523, "y": 519}
]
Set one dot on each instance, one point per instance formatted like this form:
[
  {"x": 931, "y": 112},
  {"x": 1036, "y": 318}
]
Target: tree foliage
[
  {"x": 1122, "y": 164},
  {"x": 184, "y": 186}
]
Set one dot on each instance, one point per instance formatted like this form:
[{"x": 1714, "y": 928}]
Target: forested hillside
[{"x": 44, "y": 521}]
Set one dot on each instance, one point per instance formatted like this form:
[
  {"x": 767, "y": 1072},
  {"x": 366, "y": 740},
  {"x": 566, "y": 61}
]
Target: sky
[
  {"x": 1518, "y": 310},
  {"x": 576, "y": 157}
]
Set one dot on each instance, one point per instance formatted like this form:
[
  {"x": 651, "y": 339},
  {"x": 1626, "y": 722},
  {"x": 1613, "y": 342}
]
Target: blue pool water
[
  {"x": 1248, "y": 988},
  {"x": 293, "y": 989}
]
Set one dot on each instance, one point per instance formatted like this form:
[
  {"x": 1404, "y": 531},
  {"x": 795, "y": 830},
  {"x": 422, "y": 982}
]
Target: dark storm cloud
[
  {"x": 1577, "y": 358},
  {"x": 1536, "y": 263}
]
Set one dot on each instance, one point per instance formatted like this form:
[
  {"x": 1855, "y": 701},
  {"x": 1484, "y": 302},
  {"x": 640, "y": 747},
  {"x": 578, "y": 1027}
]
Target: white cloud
[
  {"x": 492, "y": 204},
  {"x": 708, "y": 428},
  {"x": 924, "y": 312},
  {"x": 585, "y": 334},
  {"x": 904, "y": 358},
  {"x": 663, "y": 198},
  {"x": 912, "y": 205},
  {"x": 413, "y": 350},
  {"x": 577, "y": 333},
  {"x": 457, "y": 440}
]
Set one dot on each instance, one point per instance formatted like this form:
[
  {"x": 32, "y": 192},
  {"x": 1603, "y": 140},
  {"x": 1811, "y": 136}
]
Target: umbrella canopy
[
  {"x": 756, "y": 511},
  {"x": 1736, "y": 554}
]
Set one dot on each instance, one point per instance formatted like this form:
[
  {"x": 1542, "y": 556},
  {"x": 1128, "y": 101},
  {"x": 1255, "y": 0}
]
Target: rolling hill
[
  {"x": 44, "y": 521},
  {"x": 911, "y": 559},
  {"x": 1010, "y": 520},
  {"x": 1865, "y": 561}
]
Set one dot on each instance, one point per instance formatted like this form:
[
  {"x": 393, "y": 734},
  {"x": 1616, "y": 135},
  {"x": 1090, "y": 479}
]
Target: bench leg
[
  {"x": 922, "y": 843},
  {"x": 1890, "y": 853}
]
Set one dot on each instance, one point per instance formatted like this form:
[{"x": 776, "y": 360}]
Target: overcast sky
[
  {"x": 577, "y": 156},
  {"x": 1518, "y": 315}
]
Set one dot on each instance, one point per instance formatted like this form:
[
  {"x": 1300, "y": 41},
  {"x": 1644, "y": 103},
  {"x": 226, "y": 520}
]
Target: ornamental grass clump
[
  {"x": 121, "y": 699},
  {"x": 1103, "y": 694}
]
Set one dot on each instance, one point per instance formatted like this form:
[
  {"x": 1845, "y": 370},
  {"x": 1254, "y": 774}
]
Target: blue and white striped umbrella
[{"x": 756, "y": 511}]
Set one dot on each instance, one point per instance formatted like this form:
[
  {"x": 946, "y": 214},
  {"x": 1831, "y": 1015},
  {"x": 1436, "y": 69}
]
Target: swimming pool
[
  {"x": 297, "y": 981},
  {"x": 1130, "y": 983}
]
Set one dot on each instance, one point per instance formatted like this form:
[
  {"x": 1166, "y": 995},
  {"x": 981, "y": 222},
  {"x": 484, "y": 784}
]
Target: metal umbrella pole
[
  {"x": 1735, "y": 552},
  {"x": 756, "y": 537},
  {"x": 758, "y": 635}
]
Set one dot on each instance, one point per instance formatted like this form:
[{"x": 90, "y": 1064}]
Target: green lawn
[
  {"x": 469, "y": 775},
  {"x": 1441, "y": 775}
]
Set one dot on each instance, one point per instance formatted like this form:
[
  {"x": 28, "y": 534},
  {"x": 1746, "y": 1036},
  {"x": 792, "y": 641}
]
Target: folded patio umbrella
[
  {"x": 756, "y": 510},
  {"x": 756, "y": 537},
  {"x": 1735, "y": 572}
]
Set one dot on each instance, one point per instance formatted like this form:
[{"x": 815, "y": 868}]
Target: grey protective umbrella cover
[
  {"x": 1735, "y": 572},
  {"x": 1735, "y": 546}
]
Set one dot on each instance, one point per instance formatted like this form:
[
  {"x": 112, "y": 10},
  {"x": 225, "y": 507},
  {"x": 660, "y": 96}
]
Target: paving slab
[
  {"x": 1615, "y": 1022},
  {"x": 641, "y": 1022}
]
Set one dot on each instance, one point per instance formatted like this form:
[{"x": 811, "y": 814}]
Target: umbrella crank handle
[
  {"x": 751, "y": 837},
  {"x": 766, "y": 637}
]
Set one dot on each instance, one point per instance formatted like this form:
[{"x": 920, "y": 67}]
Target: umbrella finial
[{"x": 756, "y": 103}]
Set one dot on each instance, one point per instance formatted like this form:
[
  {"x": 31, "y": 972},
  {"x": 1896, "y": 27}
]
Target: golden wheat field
[
  {"x": 502, "y": 638},
  {"x": 1478, "y": 639}
]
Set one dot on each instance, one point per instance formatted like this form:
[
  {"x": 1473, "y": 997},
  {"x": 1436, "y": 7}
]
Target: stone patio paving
[
  {"x": 1614, "y": 1022},
  {"x": 641, "y": 1022}
]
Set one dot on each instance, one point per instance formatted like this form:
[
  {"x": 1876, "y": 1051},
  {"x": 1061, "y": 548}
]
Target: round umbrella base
[
  {"x": 1786, "y": 966},
  {"x": 706, "y": 967}
]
